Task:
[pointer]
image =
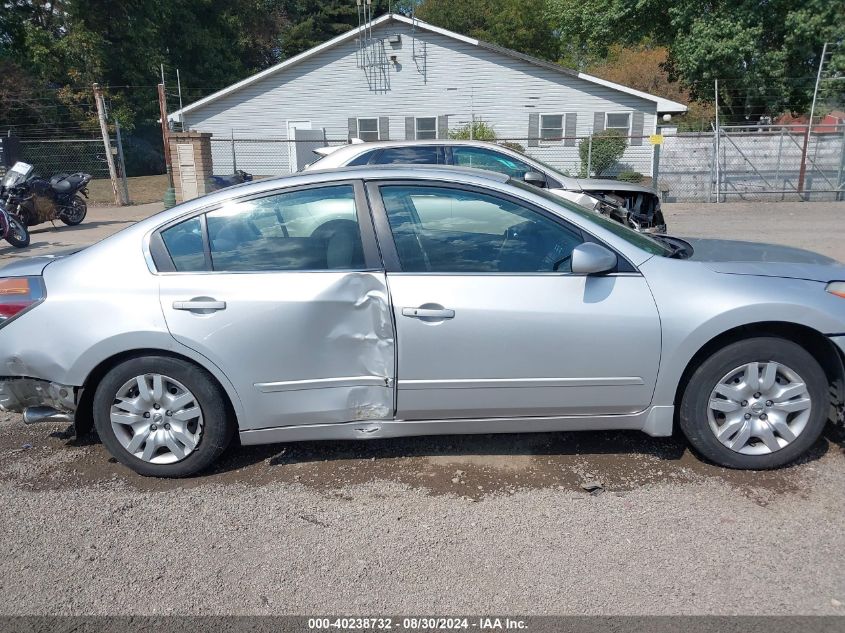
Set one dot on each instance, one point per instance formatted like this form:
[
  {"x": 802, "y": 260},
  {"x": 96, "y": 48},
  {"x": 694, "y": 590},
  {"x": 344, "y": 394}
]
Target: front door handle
[
  {"x": 200, "y": 305},
  {"x": 428, "y": 313}
]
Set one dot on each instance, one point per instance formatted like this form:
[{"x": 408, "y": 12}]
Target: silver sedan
[{"x": 368, "y": 303}]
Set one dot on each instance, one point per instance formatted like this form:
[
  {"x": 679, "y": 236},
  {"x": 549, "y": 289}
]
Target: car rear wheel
[
  {"x": 755, "y": 404},
  {"x": 162, "y": 417}
]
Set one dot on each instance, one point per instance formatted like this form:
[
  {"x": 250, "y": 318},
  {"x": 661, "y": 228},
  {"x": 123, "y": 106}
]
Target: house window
[
  {"x": 426, "y": 127},
  {"x": 619, "y": 121},
  {"x": 368, "y": 129},
  {"x": 551, "y": 126}
]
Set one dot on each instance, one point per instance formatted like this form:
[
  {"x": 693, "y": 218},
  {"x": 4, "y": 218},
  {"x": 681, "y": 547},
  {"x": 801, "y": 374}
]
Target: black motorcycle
[
  {"x": 12, "y": 229},
  {"x": 221, "y": 182},
  {"x": 35, "y": 200}
]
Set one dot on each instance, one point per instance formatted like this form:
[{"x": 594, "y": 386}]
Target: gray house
[{"x": 400, "y": 78}]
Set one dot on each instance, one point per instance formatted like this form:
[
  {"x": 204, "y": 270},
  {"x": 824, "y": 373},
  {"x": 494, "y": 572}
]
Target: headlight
[{"x": 836, "y": 288}]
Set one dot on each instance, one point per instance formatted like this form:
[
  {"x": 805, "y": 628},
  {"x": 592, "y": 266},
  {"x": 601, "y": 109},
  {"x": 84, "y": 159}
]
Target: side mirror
[
  {"x": 535, "y": 178},
  {"x": 590, "y": 258}
]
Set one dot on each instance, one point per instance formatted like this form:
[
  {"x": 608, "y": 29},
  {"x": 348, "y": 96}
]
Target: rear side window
[
  {"x": 310, "y": 229},
  {"x": 363, "y": 159},
  {"x": 420, "y": 155},
  {"x": 184, "y": 243}
]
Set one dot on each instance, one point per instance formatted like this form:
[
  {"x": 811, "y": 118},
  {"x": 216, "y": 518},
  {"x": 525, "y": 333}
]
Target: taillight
[{"x": 17, "y": 294}]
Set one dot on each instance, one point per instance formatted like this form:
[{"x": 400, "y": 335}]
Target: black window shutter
[
  {"x": 533, "y": 129},
  {"x": 570, "y": 129},
  {"x": 598, "y": 122},
  {"x": 353, "y": 128},
  {"x": 637, "y": 125},
  {"x": 443, "y": 126},
  {"x": 410, "y": 129},
  {"x": 383, "y": 128}
]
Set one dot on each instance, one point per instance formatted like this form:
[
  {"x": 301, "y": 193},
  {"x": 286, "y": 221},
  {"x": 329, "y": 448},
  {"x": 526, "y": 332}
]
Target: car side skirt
[{"x": 655, "y": 421}]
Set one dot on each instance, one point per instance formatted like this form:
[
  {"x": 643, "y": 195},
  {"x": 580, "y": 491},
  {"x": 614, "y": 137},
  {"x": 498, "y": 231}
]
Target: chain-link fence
[
  {"x": 263, "y": 157},
  {"x": 51, "y": 157},
  {"x": 755, "y": 163}
]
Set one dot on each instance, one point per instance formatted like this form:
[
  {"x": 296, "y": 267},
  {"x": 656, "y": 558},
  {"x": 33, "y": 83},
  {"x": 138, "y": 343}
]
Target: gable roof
[{"x": 663, "y": 105}]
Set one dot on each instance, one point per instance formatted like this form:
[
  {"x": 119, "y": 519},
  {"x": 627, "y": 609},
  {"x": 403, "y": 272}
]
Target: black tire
[
  {"x": 77, "y": 212},
  {"x": 18, "y": 235},
  {"x": 218, "y": 427},
  {"x": 695, "y": 401}
]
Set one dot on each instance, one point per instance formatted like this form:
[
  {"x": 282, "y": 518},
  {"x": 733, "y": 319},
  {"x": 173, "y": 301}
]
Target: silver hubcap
[
  {"x": 157, "y": 419},
  {"x": 759, "y": 408}
]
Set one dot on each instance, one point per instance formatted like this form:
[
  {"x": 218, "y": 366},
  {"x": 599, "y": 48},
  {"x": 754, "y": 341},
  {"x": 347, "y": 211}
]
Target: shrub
[
  {"x": 628, "y": 175},
  {"x": 513, "y": 145},
  {"x": 481, "y": 131},
  {"x": 608, "y": 147}
]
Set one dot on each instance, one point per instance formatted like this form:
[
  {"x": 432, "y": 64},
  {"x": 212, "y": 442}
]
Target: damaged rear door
[{"x": 285, "y": 293}]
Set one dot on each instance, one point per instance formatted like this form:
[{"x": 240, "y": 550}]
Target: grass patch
[{"x": 142, "y": 189}]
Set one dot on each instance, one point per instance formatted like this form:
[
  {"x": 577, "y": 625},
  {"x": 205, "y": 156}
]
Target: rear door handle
[
  {"x": 208, "y": 305},
  {"x": 428, "y": 313}
]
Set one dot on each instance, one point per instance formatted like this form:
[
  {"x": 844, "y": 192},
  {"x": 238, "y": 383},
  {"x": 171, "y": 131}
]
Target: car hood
[{"x": 765, "y": 260}]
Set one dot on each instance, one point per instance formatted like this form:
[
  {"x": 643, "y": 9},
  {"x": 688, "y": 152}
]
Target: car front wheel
[
  {"x": 161, "y": 416},
  {"x": 755, "y": 404}
]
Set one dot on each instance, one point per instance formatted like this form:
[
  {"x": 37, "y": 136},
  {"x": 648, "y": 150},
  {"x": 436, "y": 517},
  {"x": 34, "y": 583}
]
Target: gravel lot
[{"x": 485, "y": 524}]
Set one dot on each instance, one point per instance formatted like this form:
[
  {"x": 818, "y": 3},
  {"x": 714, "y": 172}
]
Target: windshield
[
  {"x": 640, "y": 240},
  {"x": 17, "y": 174}
]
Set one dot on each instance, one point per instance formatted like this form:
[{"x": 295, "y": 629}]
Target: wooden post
[
  {"x": 101, "y": 114},
  {"x": 170, "y": 194},
  {"x": 122, "y": 160},
  {"x": 165, "y": 132}
]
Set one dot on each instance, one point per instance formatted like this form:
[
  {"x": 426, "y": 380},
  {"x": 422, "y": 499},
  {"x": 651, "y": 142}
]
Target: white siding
[{"x": 329, "y": 88}]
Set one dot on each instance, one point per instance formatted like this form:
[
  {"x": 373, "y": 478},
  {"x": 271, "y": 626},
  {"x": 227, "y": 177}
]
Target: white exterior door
[{"x": 292, "y": 127}]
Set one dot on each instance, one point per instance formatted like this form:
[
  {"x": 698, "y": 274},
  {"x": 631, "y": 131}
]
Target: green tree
[
  {"x": 312, "y": 22},
  {"x": 607, "y": 148},
  {"x": 521, "y": 25},
  {"x": 764, "y": 53}
]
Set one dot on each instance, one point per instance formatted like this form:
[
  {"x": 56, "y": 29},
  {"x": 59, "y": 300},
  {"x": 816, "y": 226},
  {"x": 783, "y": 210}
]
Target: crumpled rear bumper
[{"x": 17, "y": 394}]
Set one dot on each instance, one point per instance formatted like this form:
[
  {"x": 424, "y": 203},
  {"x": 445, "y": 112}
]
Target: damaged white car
[{"x": 633, "y": 205}]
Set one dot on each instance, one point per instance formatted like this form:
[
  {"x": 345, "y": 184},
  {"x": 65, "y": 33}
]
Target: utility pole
[
  {"x": 101, "y": 114},
  {"x": 179, "y": 88},
  {"x": 718, "y": 143},
  {"x": 802, "y": 171},
  {"x": 170, "y": 194}
]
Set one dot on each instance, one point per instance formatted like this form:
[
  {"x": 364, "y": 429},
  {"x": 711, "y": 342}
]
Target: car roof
[
  {"x": 439, "y": 174},
  {"x": 346, "y": 152},
  {"x": 442, "y": 173}
]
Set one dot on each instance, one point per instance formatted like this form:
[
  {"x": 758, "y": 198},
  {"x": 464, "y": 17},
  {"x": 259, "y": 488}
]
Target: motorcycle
[
  {"x": 35, "y": 200},
  {"x": 221, "y": 182},
  {"x": 12, "y": 229}
]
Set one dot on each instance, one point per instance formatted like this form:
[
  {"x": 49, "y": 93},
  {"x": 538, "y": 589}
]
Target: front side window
[
  {"x": 420, "y": 155},
  {"x": 368, "y": 129},
  {"x": 481, "y": 158},
  {"x": 311, "y": 229},
  {"x": 619, "y": 121},
  {"x": 551, "y": 127},
  {"x": 426, "y": 127},
  {"x": 441, "y": 229}
]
